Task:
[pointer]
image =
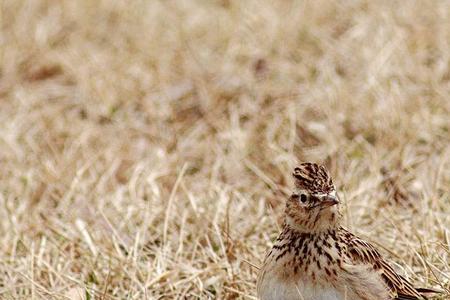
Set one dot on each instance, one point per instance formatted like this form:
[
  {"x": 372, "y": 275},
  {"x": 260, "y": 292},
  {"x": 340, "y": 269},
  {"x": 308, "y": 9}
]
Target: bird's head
[{"x": 314, "y": 205}]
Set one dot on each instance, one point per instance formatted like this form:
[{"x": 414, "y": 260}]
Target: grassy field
[{"x": 146, "y": 147}]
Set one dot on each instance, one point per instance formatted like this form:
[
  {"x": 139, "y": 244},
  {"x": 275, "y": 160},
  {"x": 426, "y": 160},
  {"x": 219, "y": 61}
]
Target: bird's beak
[{"x": 329, "y": 200}]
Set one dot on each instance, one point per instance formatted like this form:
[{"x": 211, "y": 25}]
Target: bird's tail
[{"x": 425, "y": 292}]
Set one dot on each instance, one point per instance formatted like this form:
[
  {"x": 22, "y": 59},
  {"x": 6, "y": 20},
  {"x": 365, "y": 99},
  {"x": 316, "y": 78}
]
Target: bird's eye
[{"x": 303, "y": 198}]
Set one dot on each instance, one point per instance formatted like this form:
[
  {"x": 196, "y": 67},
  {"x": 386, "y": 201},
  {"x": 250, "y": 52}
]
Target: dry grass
[{"x": 146, "y": 147}]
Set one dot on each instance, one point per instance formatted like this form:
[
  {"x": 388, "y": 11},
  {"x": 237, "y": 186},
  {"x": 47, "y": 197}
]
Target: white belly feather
[{"x": 274, "y": 289}]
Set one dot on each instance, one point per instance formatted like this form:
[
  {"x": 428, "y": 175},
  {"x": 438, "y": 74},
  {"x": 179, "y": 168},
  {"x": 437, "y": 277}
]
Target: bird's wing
[{"x": 361, "y": 251}]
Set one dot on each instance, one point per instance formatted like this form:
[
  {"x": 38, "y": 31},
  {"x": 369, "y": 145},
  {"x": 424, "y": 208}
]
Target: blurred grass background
[{"x": 146, "y": 147}]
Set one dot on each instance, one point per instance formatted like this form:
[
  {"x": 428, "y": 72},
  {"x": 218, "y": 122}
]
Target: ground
[{"x": 146, "y": 147}]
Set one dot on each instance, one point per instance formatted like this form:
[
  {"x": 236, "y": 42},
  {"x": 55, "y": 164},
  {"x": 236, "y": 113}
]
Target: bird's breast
[
  {"x": 288, "y": 278},
  {"x": 273, "y": 288}
]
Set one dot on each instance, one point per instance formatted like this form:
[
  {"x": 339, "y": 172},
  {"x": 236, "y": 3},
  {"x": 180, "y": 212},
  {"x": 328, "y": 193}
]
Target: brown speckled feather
[{"x": 361, "y": 251}]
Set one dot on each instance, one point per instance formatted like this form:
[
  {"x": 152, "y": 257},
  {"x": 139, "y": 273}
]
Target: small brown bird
[{"x": 315, "y": 258}]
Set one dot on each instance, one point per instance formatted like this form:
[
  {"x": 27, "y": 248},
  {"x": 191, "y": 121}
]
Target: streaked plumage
[{"x": 315, "y": 258}]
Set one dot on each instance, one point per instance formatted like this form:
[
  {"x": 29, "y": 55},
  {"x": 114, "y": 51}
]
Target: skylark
[{"x": 315, "y": 258}]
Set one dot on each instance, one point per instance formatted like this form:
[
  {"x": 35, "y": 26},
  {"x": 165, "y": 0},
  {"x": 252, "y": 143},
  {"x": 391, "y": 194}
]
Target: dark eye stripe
[{"x": 314, "y": 199}]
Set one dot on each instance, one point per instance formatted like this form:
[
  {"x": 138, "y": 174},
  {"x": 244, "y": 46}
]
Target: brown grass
[{"x": 146, "y": 146}]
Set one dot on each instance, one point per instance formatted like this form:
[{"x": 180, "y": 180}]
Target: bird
[{"x": 316, "y": 258}]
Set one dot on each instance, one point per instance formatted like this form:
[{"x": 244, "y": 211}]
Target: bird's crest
[{"x": 313, "y": 177}]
